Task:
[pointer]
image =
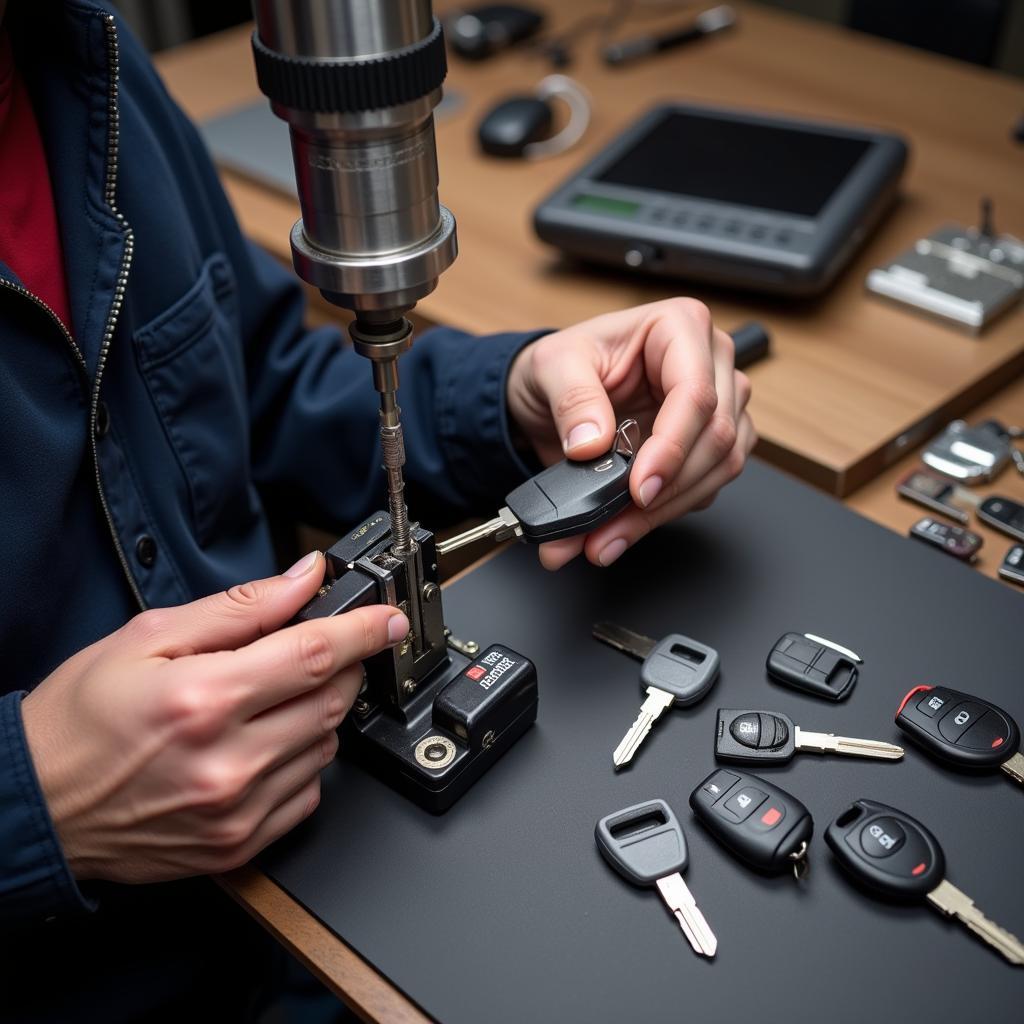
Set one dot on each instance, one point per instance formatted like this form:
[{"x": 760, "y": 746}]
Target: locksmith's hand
[
  {"x": 194, "y": 736},
  {"x": 667, "y": 366}
]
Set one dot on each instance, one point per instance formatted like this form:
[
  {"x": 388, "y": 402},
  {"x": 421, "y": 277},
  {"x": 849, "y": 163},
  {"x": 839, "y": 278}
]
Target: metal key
[
  {"x": 563, "y": 500},
  {"x": 646, "y": 845},
  {"x": 961, "y": 729},
  {"x": 895, "y": 854},
  {"x": 771, "y": 738},
  {"x": 675, "y": 671}
]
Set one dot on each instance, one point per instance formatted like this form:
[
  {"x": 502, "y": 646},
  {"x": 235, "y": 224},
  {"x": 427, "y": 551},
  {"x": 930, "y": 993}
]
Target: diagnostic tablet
[{"x": 770, "y": 203}]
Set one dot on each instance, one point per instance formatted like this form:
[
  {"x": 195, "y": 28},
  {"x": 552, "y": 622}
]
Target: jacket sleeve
[
  {"x": 35, "y": 882},
  {"x": 313, "y": 409}
]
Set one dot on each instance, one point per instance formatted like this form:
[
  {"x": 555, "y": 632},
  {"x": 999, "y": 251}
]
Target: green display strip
[{"x": 602, "y": 204}]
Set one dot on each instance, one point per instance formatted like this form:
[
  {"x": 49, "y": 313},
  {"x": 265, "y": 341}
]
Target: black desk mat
[{"x": 502, "y": 910}]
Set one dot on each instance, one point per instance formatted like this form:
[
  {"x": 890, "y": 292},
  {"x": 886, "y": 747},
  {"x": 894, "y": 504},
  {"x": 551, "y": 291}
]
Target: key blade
[
  {"x": 835, "y": 647},
  {"x": 501, "y": 527},
  {"x": 678, "y": 898},
  {"x": 950, "y": 900},
  {"x": 636, "y": 645},
  {"x": 1014, "y": 767},
  {"x": 826, "y": 743},
  {"x": 656, "y": 702}
]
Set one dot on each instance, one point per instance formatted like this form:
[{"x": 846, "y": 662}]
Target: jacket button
[
  {"x": 102, "y": 420},
  {"x": 145, "y": 550}
]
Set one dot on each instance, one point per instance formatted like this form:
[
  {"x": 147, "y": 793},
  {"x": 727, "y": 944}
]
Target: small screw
[
  {"x": 409, "y": 686},
  {"x": 430, "y": 591},
  {"x": 488, "y": 738},
  {"x": 361, "y": 707}
]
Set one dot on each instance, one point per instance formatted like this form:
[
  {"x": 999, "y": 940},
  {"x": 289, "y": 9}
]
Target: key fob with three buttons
[
  {"x": 759, "y": 822},
  {"x": 814, "y": 665},
  {"x": 961, "y": 729}
]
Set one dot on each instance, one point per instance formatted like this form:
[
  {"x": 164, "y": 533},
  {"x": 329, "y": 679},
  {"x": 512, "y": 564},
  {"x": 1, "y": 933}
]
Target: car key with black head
[
  {"x": 676, "y": 671},
  {"x": 962, "y": 730},
  {"x": 757, "y": 821},
  {"x": 646, "y": 845},
  {"x": 892, "y": 853},
  {"x": 564, "y": 500},
  {"x": 771, "y": 738},
  {"x": 813, "y": 665}
]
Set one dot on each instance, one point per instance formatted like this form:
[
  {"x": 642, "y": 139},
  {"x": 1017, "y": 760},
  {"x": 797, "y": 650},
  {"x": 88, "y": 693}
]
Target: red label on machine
[{"x": 476, "y": 672}]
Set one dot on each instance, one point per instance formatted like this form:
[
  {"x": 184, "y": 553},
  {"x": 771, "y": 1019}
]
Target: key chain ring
[
  {"x": 572, "y": 94},
  {"x": 801, "y": 865},
  {"x": 625, "y": 445}
]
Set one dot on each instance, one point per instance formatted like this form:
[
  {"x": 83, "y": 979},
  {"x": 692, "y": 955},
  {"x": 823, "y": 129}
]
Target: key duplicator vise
[{"x": 357, "y": 82}]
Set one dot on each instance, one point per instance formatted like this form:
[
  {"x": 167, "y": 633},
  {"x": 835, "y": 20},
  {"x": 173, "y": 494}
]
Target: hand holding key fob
[
  {"x": 961, "y": 729},
  {"x": 755, "y": 820},
  {"x": 813, "y": 665}
]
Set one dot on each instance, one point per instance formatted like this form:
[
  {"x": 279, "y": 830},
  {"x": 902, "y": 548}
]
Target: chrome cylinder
[{"x": 357, "y": 82}]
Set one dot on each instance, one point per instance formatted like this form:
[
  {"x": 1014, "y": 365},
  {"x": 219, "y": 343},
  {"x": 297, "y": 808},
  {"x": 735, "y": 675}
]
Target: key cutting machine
[{"x": 357, "y": 81}]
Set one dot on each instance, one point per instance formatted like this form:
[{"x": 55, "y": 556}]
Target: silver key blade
[
  {"x": 680, "y": 901},
  {"x": 651, "y": 709},
  {"x": 950, "y": 900},
  {"x": 636, "y": 645},
  {"x": 1014, "y": 767},
  {"x": 826, "y": 743},
  {"x": 501, "y": 527}
]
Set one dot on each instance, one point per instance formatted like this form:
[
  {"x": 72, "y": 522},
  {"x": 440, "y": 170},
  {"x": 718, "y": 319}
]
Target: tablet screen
[{"x": 744, "y": 163}]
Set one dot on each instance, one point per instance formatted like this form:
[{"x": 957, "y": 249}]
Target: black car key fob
[
  {"x": 571, "y": 497},
  {"x": 759, "y": 822},
  {"x": 958, "y": 728},
  {"x": 1013, "y": 564},
  {"x": 954, "y": 540},
  {"x": 1003, "y": 514},
  {"x": 887, "y": 849},
  {"x": 754, "y": 736},
  {"x": 814, "y": 665}
]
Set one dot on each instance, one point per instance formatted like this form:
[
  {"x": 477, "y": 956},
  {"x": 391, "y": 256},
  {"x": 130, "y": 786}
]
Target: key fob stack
[
  {"x": 958, "y": 728},
  {"x": 886, "y": 849},
  {"x": 814, "y": 665},
  {"x": 758, "y": 822}
]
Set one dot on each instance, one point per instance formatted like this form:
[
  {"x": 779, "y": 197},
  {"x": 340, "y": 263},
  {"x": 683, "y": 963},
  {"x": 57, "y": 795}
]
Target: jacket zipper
[{"x": 109, "y": 195}]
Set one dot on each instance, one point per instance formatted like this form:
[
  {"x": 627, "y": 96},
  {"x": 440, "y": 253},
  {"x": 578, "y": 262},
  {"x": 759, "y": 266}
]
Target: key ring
[
  {"x": 625, "y": 445},
  {"x": 801, "y": 865}
]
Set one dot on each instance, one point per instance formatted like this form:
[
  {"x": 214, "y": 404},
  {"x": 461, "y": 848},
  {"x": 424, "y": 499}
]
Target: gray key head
[
  {"x": 643, "y": 843},
  {"x": 681, "y": 666}
]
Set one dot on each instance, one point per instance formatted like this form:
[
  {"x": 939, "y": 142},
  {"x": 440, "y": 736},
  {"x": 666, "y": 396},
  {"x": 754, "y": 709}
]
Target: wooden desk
[{"x": 851, "y": 378}]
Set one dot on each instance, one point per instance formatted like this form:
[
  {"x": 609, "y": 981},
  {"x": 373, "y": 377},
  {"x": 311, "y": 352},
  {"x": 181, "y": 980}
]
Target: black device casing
[
  {"x": 753, "y": 839},
  {"x": 804, "y": 664},
  {"x": 707, "y": 247}
]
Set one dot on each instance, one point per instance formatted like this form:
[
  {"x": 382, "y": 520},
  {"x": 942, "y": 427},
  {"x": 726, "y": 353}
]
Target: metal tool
[
  {"x": 675, "y": 671},
  {"x": 563, "y": 500},
  {"x": 893, "y": 853},
  {"x": 771, "y": 738},
  {"x": 814, "y": 665},
  {"x": 962, "y": 730},
  {"x": 757, "y": 821},
  {"x": 357, "y": 81},
  {"x": 646, "y": 845}
]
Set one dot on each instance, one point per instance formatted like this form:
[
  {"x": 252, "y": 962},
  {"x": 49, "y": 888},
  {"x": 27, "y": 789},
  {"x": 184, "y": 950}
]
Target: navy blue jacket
[{"x": 139, "y": 456}]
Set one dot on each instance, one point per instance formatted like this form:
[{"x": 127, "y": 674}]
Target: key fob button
[
  {"x": 882, "y": 837},
  {"x": 989, "y": 732},
  {"x": 747, "y": 730},
  {"x": 931, "y": 704},
  {"x": 719, "y": 783},
  {"x": 745, "y": 802},
  {"x": 958, "y": 719},
  {"x": 769, "y": 817}
]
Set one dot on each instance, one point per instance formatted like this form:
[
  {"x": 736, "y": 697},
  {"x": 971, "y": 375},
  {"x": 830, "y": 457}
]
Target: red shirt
[{"x": 29, "y": 239}]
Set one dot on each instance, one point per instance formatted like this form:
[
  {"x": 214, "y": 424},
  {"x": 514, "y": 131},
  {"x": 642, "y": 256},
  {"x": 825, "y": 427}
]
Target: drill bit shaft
[{"x": 393, "y": 451}]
